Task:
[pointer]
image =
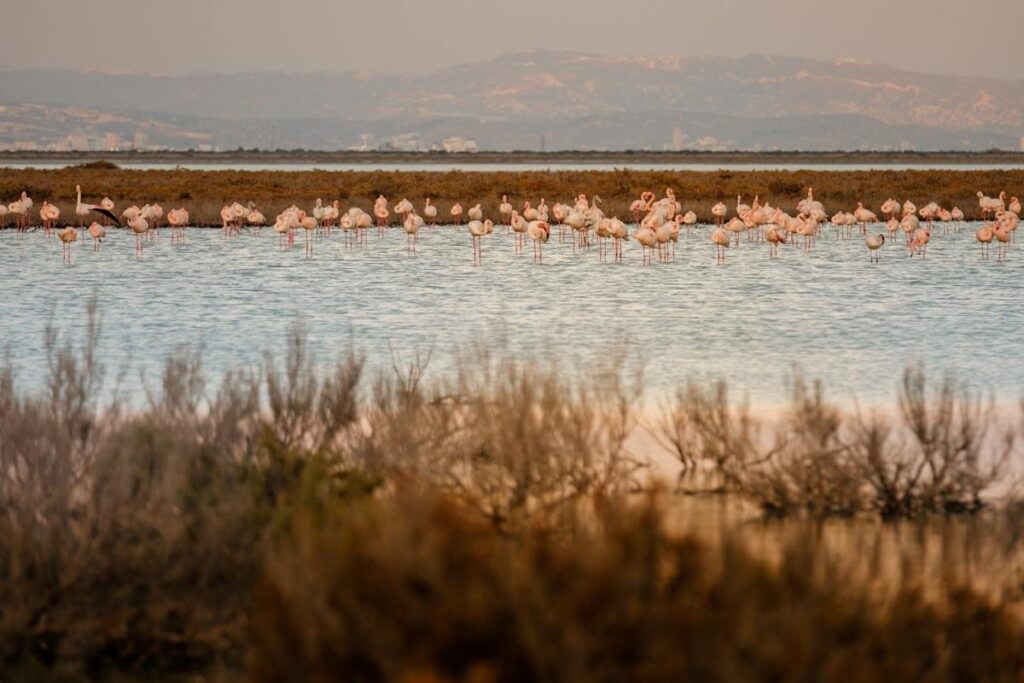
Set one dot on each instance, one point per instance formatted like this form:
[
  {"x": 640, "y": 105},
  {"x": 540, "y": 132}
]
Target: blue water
[{"x": 852, "y": 323}]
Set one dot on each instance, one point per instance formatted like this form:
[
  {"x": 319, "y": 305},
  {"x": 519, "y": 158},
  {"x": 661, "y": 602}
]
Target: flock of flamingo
[{"x": 657, "y": 223}]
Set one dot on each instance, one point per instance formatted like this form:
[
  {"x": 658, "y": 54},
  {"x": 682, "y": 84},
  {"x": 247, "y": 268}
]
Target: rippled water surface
[{"x": 853, "y": 323}]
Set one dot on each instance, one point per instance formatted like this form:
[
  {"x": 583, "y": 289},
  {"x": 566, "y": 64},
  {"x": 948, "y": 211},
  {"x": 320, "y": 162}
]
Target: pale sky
[{"x": 975, "y": 38}]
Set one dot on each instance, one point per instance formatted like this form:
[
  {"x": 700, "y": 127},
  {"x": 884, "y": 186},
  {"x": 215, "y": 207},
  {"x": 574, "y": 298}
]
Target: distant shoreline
[{"x": 441, "y": 159}]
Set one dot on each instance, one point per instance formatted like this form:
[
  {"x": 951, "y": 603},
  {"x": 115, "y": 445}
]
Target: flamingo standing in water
[
  {"x": 919, "y": 241},
  {"x": 539, "y": 232},
  {"x": 412, "y": 224},
  {"x": 139, "y": 226},
  {"x": 874, "y": 243},
  {"x": 1003, "y": 236},
  {"x": 177, "y": 219},
  {"x": 774, "y": 236},
  {"x": 718, "y": 211},
  {"x": 505, "y": 210},
  {"x": 985, "y": 235},
  {"x": 456, "y": 212},
  {"x": 67, "y": 237},
  {"x": 381, "y": 213},
  {"x": 97, "y": 232},
  {"x": 647, "y": 235},
  {"x": 108, "y": 204},
  {"x": 475, "y": 213},
  {"x": 48, "y": 215},
  {"x": 477, "y": 230},
  {"x": 429, "y": 211},
  {"x": 19, "y": 209},
  {"x": 864, "y": 217},
  {"x": 720, "y": 238},
  {"x": 519, "y": 225},
  {"x": 1014, "y": 206}
]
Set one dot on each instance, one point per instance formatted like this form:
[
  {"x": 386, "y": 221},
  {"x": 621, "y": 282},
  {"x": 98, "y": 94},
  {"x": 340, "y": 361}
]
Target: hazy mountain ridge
[{"x": 510, "y": 101}]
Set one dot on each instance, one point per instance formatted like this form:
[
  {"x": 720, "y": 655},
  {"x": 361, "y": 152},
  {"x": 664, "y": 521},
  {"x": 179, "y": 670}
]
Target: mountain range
[{"x": 571, "y": 100}]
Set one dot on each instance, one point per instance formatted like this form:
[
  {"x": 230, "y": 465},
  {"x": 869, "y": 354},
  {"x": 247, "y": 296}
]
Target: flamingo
[
  {"x": 647, "y": 236},
  {"x": 864, "y": 217},
  {"x": 619, "y": 233},
  {"x": 105, "y": 208},
  {"x": 255, "y": 218},
  {"x": 429, "y": 211},
  {"x": 48, "y": 215},
  {"x": 177, "y": 219},
  {"x": 505, "y": 210},
  {"x": 890, "y": 207},
  {"x": 97, "y": 232},
  {"x": 985, "y": 235},
  {"x": 720, "y": 238},
  {"x": 456, "y": 212},
  {"x": 139, "y": 226},
  {"x": 919, "y": 242},
  {"x": 477, "y": 230},
  {"x": 1014, "y": 206},
  {"x": 475, "y": 213},
  {"x": 718, "y": 211},
  {"x": 412, "y": 226},
  {"x": 874, "y": 243},
  {"x": 957, "y": 215},
  {"x": 519, "y": 226},
  {"x": 309, "y": 224},
  {"x": 67, "y": 237},
  {"x": 530, "y": 213},
  {"x": 20, "y": 208},
  {"x": 539, "y": 232},
  {"x": 381, "y": 213},
  {"x": 774, "y": 236},
  {"x": 1003, "y": 236}
]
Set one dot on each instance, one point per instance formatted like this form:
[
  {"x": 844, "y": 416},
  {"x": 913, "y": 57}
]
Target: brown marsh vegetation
[
  {"x": 204, "y": 192},
  {"x": 295, "y": 523}
]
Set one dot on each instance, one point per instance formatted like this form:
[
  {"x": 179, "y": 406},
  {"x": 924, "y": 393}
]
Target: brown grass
[{"x": 204, "y": 192}]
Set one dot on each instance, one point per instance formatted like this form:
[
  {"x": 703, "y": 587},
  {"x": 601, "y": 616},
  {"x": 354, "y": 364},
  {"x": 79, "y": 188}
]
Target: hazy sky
[{"x": 976, "y": 37}]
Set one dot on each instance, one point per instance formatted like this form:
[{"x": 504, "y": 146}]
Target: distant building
[
  {"x": 112, "y": 142},
  {"x": 457, "y": 144},
  {"x": 140, "y": 140},
  {"x": 1022, "y": 144}
]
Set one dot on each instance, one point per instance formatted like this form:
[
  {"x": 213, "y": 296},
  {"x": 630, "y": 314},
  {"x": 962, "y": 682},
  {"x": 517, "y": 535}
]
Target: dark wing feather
[{"x": 109, "y": 214}]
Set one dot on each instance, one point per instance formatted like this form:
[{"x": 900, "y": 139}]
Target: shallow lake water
[{"x": 852, "y": 323}]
